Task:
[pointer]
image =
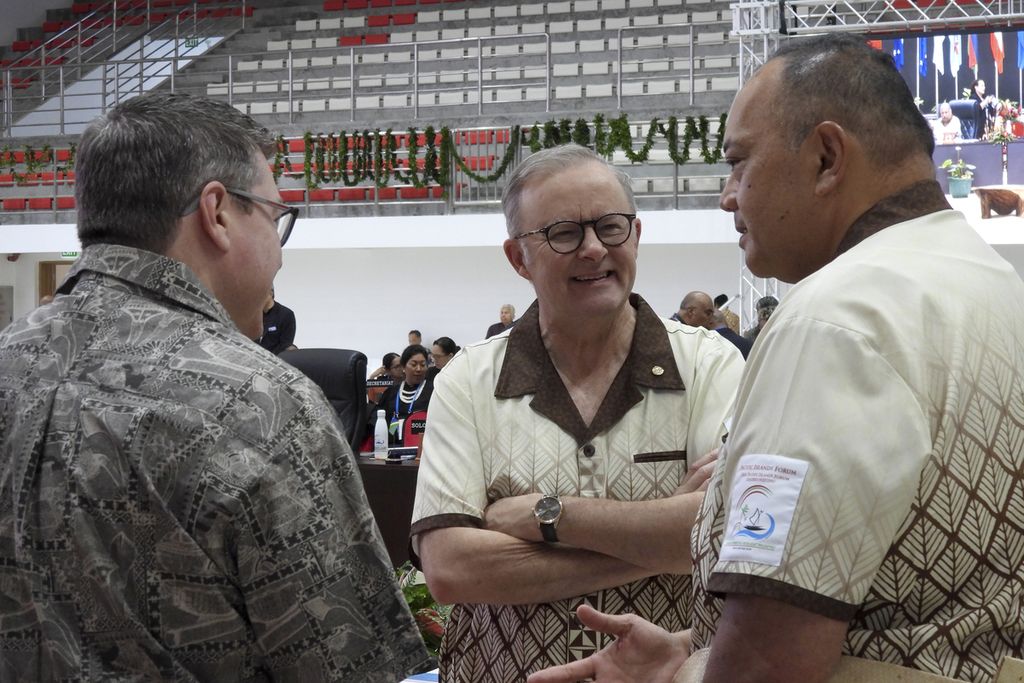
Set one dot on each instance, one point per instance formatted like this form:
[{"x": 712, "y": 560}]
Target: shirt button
[{"x": 588, "y": 450}]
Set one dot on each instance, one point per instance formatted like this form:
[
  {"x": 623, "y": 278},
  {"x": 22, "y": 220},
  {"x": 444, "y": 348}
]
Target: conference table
[{"x": 390, "y": 489}]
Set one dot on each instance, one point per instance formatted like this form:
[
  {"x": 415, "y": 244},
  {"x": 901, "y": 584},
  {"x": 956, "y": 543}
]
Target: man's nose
[{"x": 591, "y": 247}]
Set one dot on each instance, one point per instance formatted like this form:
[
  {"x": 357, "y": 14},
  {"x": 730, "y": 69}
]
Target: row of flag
[{"x": 956, "y": 52}]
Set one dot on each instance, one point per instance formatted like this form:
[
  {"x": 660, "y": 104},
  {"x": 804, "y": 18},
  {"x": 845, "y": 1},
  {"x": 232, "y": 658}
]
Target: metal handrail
[{"x": 289, "y": 89}]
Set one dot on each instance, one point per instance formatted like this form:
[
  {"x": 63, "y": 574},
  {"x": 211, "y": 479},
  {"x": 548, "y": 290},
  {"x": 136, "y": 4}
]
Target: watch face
[{"x": 547, "y": 509}]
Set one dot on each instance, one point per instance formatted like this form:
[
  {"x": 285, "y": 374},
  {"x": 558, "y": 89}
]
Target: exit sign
[
  {"x": 69, "y": 254},
  {"x": 192, "y": 41}
]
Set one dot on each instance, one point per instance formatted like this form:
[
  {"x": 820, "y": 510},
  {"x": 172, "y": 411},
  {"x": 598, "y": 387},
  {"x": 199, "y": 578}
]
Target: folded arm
[
  {"x": 467, "y": 565},
  {"x": 654, "y": 534}
]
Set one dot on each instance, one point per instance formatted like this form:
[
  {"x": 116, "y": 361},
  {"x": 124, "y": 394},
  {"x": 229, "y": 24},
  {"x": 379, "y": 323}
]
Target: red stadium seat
[
  {"x": 352, "y": 194},
  {"x": 321, "y": 195},
  {"x": 65, "y": 203},
  {"x": 293, "y": 196},
  {"x": 378, "y": 20},
  {"x": 350, "y": 41},
  {"x": 40, "y": 203},
  {"x": 403, "y": 19},
  {"x": 376, "y": 38},
  {"x": 14, "y": 204}
]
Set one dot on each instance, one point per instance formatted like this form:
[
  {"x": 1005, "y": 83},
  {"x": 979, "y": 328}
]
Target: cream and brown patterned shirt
[
  {"x": 875, "y": 471},
  {"x": 502, "y": 424},
  {"x": 177, "y": 503}
]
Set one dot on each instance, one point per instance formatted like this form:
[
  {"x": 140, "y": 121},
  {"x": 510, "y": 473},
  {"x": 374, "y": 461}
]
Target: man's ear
[
  {"x": 636, "y": 228},
  {"x": 832, "y": 147},
  {"x": 214, "y": 216},
  {"x": 514, "y": 254}
]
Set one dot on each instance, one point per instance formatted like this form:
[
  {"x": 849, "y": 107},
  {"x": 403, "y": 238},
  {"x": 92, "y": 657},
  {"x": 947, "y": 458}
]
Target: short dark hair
[
  {"x": 388, "y": 359},
  {"x": 721, "y": 300},
  {"x": 838, "y": 77},
  {"x": 447, "y": 345},
  {"x": 766, "y": 302},
  {"x": 416, "y": 332},
  {"x": 140, "y": 165},
  {"x": 413, "y": 350}
]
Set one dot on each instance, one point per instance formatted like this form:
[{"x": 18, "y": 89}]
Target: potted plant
[{"x": 961, "y": 174}]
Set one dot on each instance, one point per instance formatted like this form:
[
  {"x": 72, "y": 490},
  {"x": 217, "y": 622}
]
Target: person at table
[
  {"x": 390, "y": 366},
  {"x": 946, "y": 128},
  {"x": 407, "y": 396},
  {"x": 442, "y": 350}
]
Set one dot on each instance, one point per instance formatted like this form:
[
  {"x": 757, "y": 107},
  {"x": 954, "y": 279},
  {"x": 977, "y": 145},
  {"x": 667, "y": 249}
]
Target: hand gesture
[{"x": 641, "y": 653}]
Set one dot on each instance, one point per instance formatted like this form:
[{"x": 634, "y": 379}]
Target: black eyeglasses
[
  {"x": 565, "y": 237},
  {"x": 285, "y": 220}
]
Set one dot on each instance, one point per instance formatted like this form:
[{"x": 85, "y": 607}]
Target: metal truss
[{"x": 888, "y": 17}]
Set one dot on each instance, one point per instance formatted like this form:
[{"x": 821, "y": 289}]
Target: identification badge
[{"x": 762, "y": 502}]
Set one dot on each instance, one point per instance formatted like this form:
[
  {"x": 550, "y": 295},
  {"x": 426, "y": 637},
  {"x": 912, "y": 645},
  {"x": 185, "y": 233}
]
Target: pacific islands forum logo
[{"x": 755, "y": 523}]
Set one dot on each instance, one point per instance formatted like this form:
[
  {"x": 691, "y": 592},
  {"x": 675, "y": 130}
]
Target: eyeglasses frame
[
  {"x": 583, "y": 231},
  {"x": 286, "y": 210}
]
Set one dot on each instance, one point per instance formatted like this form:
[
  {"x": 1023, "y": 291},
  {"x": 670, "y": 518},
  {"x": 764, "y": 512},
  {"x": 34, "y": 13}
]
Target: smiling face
[
  {"x": 593, "y": 281},
  {"x": 771, "y": 188}
]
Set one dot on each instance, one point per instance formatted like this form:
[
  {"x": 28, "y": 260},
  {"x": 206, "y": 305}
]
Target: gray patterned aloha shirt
[{"x": 177, "y": 503}]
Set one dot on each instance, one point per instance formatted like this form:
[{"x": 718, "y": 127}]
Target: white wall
[{"x": 350, "y": 288}]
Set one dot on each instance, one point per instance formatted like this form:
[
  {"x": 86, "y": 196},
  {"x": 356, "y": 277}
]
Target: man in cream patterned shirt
[{"x": 555, "y": 454}]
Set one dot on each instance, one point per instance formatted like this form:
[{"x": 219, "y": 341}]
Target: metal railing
[
  {"x": 45, "y": 72},
  {"x": 486, "y": 73}
]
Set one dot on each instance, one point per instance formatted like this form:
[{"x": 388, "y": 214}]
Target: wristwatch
[{"x": 548, "y": 511}]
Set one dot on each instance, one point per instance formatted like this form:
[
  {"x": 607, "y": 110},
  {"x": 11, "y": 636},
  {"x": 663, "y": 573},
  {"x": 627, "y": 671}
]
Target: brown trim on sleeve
[
  {"x": 439, "y": 522},
  {"x": 724, "y": 583}
]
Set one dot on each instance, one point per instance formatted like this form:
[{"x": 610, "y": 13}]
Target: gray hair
[
  {"x": 547, "y": 163},
  {"x": 508, "y": 307},
  {"x": 142, "y": 164},
  {"x": 840, "y": 78}
]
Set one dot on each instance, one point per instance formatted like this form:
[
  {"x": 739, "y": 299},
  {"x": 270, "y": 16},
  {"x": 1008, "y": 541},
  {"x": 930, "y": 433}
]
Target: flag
[
  {"x": 922, "y": 56},
  {"x": 972, "y": 52},
  {"x": 1020, "y": 49},
  {"x": 956, "y": 57},
  {"x": 877, "y": 44},
  {"x": 897, "y": 53},
  {"x": 938, "y": 56},
  {"x": 996, "y": 39}
]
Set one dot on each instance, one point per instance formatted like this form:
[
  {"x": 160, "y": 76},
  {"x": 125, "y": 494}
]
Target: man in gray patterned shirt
[{"x": 177, "y": 503}]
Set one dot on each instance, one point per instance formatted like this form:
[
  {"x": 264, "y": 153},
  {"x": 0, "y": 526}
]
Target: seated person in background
[
  {"x": 442, "y": 351},
  {"x": 407, "y": 396},
  {"x": 506, "y": 319},
  {"x": 946, "y": 128},
  {"x": 391, "y": 366},
  {"x": 278, "y": 326},
  {"x": 415, "y": 338}
]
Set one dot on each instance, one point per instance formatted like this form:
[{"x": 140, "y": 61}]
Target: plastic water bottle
[{"x": 380, "y": 437}]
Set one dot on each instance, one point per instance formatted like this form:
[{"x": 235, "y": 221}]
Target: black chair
[
  {"x": 341, "y": 375},
  {"x": 964, "y": 110}
]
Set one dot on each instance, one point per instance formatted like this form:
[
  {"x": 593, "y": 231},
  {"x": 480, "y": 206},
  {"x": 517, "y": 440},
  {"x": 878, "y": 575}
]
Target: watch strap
[{"x": 548, "y": 532}]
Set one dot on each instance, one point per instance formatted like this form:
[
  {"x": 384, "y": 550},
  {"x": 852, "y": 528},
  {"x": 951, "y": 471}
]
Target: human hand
[
  {"x": 641, "y": 653},
  {"x": 514, "y": 516},
  {"x": 698, "y": 476}
]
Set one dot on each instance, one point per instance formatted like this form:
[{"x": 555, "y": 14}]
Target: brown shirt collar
[
  {"x": 920, "y": 199},
  {"x": 527, "y": 369}
]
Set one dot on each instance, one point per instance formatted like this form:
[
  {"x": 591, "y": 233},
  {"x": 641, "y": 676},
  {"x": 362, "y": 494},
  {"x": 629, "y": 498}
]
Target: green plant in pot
[{"x": 961, "y": 175}]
